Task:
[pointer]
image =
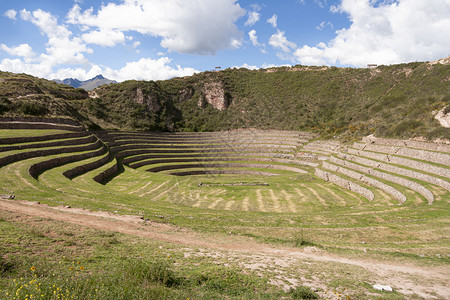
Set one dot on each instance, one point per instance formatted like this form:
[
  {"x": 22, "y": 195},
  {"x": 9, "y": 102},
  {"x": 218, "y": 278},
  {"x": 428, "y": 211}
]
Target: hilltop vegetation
[{"x": 394, "y": 101}]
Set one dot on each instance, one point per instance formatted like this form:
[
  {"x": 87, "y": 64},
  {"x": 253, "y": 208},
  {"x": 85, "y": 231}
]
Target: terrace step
[
  {"x": 224, "y": 166},
  {"x": 368, "y": 180},
  {"x": 67, "y": 142},
  {"x": 398, "y": 170},
  {"x": 40, "y": 138},
  {"x": 423, "y": 166},
  {"x": 436, "y": 157},
  {"x": 349, "y": 185},
  {"x": 38, "y": 168},
  {"x": 217, "y": 159},
  {"x": 385, "y": 176},
  {"x": 441, "y": 147},
  {"x": 37, "y": 153}
]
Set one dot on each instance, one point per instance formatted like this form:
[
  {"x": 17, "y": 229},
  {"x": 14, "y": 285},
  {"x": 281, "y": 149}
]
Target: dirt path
[{"x": 407, "y": 279}]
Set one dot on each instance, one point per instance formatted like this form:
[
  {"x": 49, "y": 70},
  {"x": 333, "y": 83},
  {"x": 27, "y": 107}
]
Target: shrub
[
  {"x": 4, "y": 105},
  {"x": 32, "y": 108},
  {"x": 303, "y": 292}
]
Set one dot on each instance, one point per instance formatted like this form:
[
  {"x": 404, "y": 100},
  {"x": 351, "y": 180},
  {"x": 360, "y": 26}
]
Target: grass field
[{"x": 291, "y": 210}]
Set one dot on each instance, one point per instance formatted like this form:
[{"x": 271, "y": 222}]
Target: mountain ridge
[
  {"x": 88, "y": 85},
  {"x": 399, "y": 101}
]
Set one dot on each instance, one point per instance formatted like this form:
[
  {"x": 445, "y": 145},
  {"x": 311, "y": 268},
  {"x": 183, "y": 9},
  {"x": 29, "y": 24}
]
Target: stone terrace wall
[
  {"x": 40, "y": 120},
  {"x": 18, "y": 125},
  {"x": 38, "y": 168},
  {"x": 225, "y": 165},
  {"x": 349, "y": 185},
  {"x": 69, "y": 142},
  {"x": 80, "y": 170},
  {"x": 203, "y": 172},
  {"x": 141, "y": 163},
  {"x": 388, "y": 177},
  {"x": 394, "y": 169},
  {"x": 36, "y": 153},
  {"x": 408, "y": 143},
  {"x": 139, "y": 155},
  {"x": 436, "y": 157},
  {"x": 32, "y": 139},
  {"x": 403, "y": 161},
  {"x": 361, "y": 177},
  {"x": 107, "y": 174}
]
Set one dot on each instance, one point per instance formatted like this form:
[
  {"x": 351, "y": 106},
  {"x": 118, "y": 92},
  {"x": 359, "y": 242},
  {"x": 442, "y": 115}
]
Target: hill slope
[{"x": 395, "y": 101}]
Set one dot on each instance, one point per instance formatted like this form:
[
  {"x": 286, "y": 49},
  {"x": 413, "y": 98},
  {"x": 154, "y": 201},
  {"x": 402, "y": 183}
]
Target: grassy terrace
[{"x": 289, "y": 209}]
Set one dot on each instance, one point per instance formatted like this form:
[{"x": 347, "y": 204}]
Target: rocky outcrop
[
  {"x": 443, "y": 116},
  {"x": 213, "y": 93},
  {"x": 185, "y": 94},
  {"x": 151, "y": 101}
]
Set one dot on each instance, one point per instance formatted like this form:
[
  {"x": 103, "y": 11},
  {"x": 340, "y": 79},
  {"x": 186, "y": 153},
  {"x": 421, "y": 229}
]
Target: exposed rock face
[
  {"x": 443, "y": 116},
  {"x": 185, "y": 94},
  {"x": 151, "y": 101},
  {"x": 214, "y": 94}
]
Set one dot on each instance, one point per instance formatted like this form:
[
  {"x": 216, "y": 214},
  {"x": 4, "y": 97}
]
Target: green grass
[
  {"x": 293, "y": 210},
  {"x": 8, "y": 133}
]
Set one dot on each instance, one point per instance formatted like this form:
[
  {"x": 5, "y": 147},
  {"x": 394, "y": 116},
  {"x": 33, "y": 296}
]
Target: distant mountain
[{"x": 87, "y": 84}]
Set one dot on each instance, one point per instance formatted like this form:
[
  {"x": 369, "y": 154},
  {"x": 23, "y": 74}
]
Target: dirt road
[{"x": 429, "y": 282}]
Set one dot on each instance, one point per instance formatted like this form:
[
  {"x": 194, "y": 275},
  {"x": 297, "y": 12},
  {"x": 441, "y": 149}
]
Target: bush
[
  {"x": 303, "y": 292},
  {"x": 141, "y": 271},
  {"x": 32, "y": 108},
  {"x": 4, "y": 105}
]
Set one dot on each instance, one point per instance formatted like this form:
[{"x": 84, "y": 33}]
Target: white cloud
[
  {"x": 196, "y": 27},
  {"x": 246, "y": 66},
  {"x": 23, "y": 50},
  {"x": 253, "y": 37},
  {"x": 62, "y": 48},
  {"x": 253, "y": 17},
  {"x": 144, "y": 69},
  {"x": 278, "y": 40},
  {"x": 273, "y": 20},
  {"x": 385, "y": 33},
  {"x": 321, "y": 3},
  {"x": 106, "y": 38},
  {"x": 148, "y": 69},
  {"x": 11, "y": 14},
  {"x": 325, "y": 24}
]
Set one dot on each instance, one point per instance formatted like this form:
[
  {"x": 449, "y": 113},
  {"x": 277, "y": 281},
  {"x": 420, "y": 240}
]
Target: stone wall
[
  {"x": 132, "y": 156},
  {"x": 203, "y": 172},
  {"x": 436, "y": 157},
  {"x": 71, "y": 142},
  {"x": 38, "y": 168},
  {"x": 36, "y": 153},
  {"x": 373, "y": 182},
  {"x": 349, "y": 185},
  {"x": 80, "y": 170},
  {"x": 225, "y": 165},
  {"x": 403, "y": 161},
  {"x": 408, "y": 143},
  {"x": 394, "y": 169},
  {"x": 18, "y": 125},
  {"x": 40, "y": 120},
  {"x": 32, "y": 139},
  {"x": 107, "y": 174},
  {"x": 388, "y": 177}
]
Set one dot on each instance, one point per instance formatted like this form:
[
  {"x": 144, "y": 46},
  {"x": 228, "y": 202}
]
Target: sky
[{"x": 162, "y": 39}]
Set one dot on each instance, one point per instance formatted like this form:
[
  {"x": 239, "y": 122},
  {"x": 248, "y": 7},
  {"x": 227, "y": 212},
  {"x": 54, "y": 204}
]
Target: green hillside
[{"x": 393, "y": 101}]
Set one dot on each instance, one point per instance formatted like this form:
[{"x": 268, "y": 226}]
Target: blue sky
[{"x": 160, "y": 39}]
